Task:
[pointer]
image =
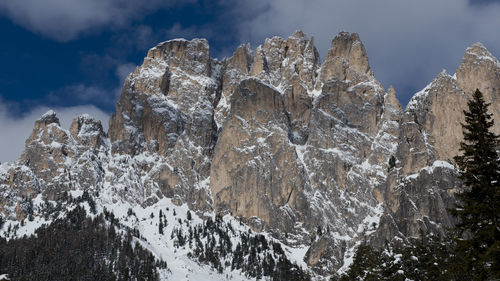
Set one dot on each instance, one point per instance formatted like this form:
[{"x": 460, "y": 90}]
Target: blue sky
[
  {"x": 73, "y": 55},
  {"x": 81, "y": 66}
]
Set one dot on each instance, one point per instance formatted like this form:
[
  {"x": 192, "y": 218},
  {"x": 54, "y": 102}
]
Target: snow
[
  {"x": 483, "y": 54},
  {"x": 371, "y": 222},
  {"x": 161, "y": 245},
  {"x": 30, "y": 226},
  {"x": 348, "y": 259},
  {"x": 4, "y": 169},
  {"x": 48, "y": 114},
  {"x": 430, "y": 169},
  {"x": 419, "y": 97}
]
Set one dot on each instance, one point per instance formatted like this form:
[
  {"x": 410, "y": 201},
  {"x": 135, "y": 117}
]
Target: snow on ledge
[{"x": 430, "y": 169}]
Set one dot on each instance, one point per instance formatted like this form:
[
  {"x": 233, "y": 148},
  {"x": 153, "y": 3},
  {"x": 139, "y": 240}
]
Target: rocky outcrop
[
  {"x": 428, "y": 132},
  {"x": 420, "y": 188},
  {"x": 167, "y": 108},
  {"x": 54, "y": 162},
  {"x": 254, "y": 173},
  {"x": 88, "y": 132},
  {"x": 292, "y": 158},
  {"x": 481, "y": 70},
  {"x": 346, "y": 60},
  {"x": 46, "y": 154}
]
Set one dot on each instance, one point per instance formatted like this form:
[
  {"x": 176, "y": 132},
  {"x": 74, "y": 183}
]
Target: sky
[{"x": 73, "y": 56}]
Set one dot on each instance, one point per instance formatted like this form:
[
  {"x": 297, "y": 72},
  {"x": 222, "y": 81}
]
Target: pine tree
[
  {"x": 365, "y": 263},
  {"x": 477, "y": 234},
  {"x": 160, "y": 226}
]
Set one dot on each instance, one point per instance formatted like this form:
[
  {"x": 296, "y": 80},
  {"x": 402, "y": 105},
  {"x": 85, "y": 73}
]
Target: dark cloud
[
  {"x": 408, "y": 42},
  {"x": 65, "y": 20}
]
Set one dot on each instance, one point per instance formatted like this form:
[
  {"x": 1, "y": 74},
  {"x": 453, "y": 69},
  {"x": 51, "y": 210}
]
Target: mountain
[{"x": 273, "y": 144}]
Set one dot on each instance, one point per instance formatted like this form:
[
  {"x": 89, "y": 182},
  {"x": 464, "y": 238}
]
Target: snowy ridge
[{"x": 480, "y": 53}]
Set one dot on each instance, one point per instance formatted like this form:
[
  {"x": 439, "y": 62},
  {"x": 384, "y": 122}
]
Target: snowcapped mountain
[{"x": 268, "y": 147}]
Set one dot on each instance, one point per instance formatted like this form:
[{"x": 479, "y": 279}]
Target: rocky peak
[
  {"x": 279, "y": 59},
  {"x": 429, "y": 132},
  {"x": 479, "y": 52},
  {"x": 46, "y": 154},
  {"x": 46, "y": 128},
  {"x": 87, "y": 131},
  {"x": 392, "y": 100},
  {"x": 481, "y": 70},
  {"x": 421, "y": 98},
  {"x": 47, "y": 118},
  {"x": 288, "y": 64},
  {"x": 191, "y": 56},
  {"x": 349, "y": 47},
  {"x": 346, "y": 60},
  {"x": 316, "y": 161},
  {"x": 242, "y": 59}
]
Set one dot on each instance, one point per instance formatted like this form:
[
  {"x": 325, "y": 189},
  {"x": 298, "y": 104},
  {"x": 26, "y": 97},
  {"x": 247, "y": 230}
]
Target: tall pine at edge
[{"x": 477, "y": 235}]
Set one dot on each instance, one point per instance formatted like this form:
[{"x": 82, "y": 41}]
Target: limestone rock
[
  {"x": 247, "y": 175},
  {"x": 481, "y": 70},
  {"x": 429, "y": 137},
  {"x": 172, "y": 117},
  {"x": 235, "y": 70},
  {"x": 88, "y": 131},
  {"x": 428, "y": 132},
  {"x": 47, "y": 150},
  {"x": 298, "y": 104},
  {"x": 158, "y": 104},
  {"x": 278, "y": 60},
  {"x": 346, "y": 60}
]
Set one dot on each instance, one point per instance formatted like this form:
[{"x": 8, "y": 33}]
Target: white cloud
[
  {"x": 408, "y": 42},
  {"x": 64, "y": 20},
  {"x": 15, "y": 130},
  {"x": 123, "y": 70}
]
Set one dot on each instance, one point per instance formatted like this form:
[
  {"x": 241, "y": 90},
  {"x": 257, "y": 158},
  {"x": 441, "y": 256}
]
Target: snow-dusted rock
[{"x": 315, "y": 155}]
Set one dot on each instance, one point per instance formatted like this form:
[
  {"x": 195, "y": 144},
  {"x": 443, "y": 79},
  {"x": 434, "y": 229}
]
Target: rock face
[
  {"x": 422, "y": 184},
  {"x": 167, "y": 109},
  {"x": 481, "y": 70},
  {"x": 315, "y": 154},
  {"x": 252, "y": 151}
]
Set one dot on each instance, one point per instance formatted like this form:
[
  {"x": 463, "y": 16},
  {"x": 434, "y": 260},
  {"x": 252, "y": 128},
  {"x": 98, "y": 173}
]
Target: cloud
[
  {"x": 15, "y": 130},
  {"x": 84, "y": 93},
  {"x": 123, "y": 70},
  {"x": 408, "y": 42},
  {"x": 64, "y": 20}
]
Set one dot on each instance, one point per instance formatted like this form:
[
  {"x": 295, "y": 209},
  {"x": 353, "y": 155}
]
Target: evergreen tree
[
  {"x": 477, "y": 235},
  {"x": 160, "y": 226},
  {"x": 364, "y": 266}
]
